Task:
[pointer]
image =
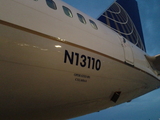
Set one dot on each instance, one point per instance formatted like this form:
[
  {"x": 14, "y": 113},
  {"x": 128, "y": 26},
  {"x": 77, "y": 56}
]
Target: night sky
[{"x": 146, "y": 107}]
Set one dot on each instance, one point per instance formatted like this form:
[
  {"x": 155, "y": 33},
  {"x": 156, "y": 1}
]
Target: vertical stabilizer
[{"x": 123, "y": 17}]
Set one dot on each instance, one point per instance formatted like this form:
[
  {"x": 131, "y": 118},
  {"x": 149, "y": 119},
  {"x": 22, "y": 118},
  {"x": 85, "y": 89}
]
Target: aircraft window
[
  {"x": 51, "y": 4},
  {"x": 67, "y": 11},
  {"x": 93, "y": 24},
  {"x": 81, "y": 18}
]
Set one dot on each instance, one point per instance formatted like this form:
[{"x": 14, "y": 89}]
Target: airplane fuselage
[{"x": 55, "y": 67}]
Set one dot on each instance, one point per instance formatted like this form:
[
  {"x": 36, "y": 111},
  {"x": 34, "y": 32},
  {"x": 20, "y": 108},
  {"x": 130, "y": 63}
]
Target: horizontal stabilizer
[{"x": 154, "y": 61}]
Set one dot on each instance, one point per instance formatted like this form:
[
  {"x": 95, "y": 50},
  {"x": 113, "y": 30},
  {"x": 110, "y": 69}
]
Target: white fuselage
[{"x": 55, "y": 67}]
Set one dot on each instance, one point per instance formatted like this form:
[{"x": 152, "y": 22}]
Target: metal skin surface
[{"x": 46, "y": 77}]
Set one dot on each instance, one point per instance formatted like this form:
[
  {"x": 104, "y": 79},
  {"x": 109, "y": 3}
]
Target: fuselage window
[
  {"x": 67, "y": 11},
  {"x": 93, "y": 24},
  {"x": 81, "y": 18},
  {"x": 51, "y": 4}
]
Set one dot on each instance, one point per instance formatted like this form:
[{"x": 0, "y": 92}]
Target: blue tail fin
[{"x": 123, "y": 17}]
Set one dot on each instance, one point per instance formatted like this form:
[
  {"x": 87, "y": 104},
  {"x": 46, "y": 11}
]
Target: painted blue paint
[{"x": 118, "y": 15}]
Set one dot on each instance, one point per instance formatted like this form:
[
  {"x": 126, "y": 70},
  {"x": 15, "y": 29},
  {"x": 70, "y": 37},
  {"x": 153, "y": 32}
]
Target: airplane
[{"x": 59, "y": 63}]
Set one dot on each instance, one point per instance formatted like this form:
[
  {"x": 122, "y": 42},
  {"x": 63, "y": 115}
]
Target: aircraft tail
[{"x": 123, "y": 17}]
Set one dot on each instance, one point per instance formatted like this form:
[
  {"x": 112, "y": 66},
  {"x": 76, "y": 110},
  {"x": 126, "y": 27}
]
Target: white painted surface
[{"x": 34, "y": 77}]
